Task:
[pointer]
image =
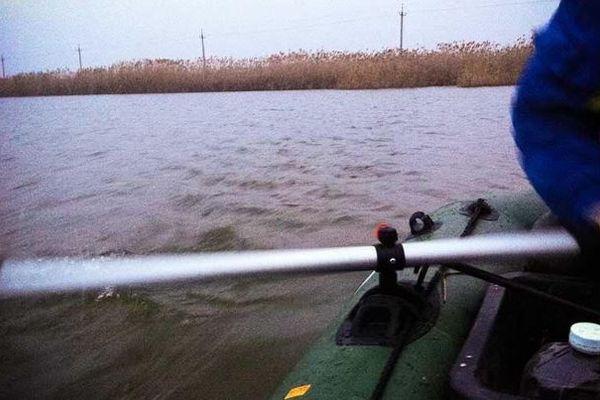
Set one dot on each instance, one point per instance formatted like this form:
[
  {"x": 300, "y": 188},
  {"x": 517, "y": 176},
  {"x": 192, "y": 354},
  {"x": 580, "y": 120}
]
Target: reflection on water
[{"x": 214, "y": 171}]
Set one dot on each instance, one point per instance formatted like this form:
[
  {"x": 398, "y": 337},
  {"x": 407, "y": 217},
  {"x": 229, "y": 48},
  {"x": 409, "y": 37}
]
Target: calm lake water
[{"x": 211, "y": 171}]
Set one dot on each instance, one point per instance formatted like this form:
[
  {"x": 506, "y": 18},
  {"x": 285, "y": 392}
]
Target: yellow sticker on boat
[{"x": 297, "y": 392}]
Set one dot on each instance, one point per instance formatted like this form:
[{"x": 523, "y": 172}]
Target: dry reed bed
[{"x": 455, "y": 64}]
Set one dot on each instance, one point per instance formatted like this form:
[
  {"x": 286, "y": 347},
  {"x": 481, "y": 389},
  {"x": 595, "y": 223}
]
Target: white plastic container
[{"x": 585, "y": 338}]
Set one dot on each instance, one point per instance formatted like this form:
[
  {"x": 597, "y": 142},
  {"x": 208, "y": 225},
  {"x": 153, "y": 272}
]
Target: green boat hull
[{"x": 352, "y": 372}]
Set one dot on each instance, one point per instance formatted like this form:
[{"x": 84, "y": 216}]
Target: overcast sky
[{"x": 42, "y": 35}]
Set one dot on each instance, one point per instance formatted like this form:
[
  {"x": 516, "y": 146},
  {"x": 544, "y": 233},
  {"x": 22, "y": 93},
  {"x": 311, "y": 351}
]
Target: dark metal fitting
[
  {"x": 420, "y": 223},
  {"x": 482, "y": 209},
  {"x": 390, "y": 258}
]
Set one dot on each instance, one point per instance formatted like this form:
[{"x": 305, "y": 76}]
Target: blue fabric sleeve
[{"x": 555, "y": 128}]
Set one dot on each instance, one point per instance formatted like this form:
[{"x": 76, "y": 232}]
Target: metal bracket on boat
[
  {"x": 390, "y": 257},
  {"x": 477, "y": 210},
  {"x": 421, "y": 223},
  {"x": 389, "y": 318},
  {"x": 482, "y": 209},
  {"x": 393, "y": 312}
]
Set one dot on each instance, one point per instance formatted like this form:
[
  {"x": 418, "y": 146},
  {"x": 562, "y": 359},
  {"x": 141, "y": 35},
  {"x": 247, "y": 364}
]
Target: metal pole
[
  {"x": 402, "y": 14},
  {"x": 203, "y": 51},
  {"x": 3, "y": 74},
  {"x": 493, "y": 247},
  {"x": 521, "y": 288},
  {"x": 68, "y": 274},
  {"x": 79, "y": 52},
  {"x": 19, "y": 277}
]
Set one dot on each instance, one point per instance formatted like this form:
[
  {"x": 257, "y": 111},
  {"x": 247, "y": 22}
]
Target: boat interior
[{"x": 511, "y": 328}]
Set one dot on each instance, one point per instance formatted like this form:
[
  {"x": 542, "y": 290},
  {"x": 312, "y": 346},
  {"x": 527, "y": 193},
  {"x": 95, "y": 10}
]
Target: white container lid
[{"x": 585, "y": 337}]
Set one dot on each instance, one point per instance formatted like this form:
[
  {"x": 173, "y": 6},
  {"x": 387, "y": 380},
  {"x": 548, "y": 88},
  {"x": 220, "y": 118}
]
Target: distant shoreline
[{"x": 470, "y": 64}]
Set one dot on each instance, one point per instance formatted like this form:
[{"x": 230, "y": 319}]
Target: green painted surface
[{"x": 342, "y": 372}]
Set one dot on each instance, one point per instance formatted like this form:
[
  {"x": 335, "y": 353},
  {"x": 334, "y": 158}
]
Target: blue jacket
[{"x": 556, "y": 112}]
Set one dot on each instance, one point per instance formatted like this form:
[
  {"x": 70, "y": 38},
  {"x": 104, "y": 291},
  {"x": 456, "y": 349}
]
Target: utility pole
[
  {"x": 402, "y": 15},
  {"x": 79, "y": 51},
  {"x": 203, "y": 52},
  {"x": 3, "y": 74}
]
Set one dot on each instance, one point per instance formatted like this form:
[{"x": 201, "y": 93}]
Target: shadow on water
[{"x": 216, "y": 239}]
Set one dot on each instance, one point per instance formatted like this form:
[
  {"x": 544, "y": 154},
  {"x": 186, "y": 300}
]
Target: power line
[
  {"x": 375, "y": 16},
  {"x": 299, "y": 28},
  {"x": 310, "y": 26},
  {"x": 178, "y": 39},
  {"x": 490, "y": 5}
]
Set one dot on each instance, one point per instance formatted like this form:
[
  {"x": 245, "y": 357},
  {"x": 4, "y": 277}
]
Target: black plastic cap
[{"x": 387, "y": 235}]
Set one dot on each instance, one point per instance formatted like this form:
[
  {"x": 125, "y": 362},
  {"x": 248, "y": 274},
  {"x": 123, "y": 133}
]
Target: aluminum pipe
[
  {"x": 18, "y": 277},
  {"x": 493, "y": 247},
  {"x": 23, "y": 277}
]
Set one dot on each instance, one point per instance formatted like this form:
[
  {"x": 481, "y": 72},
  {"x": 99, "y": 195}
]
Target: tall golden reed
[{"x": 454, "y": 64}]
